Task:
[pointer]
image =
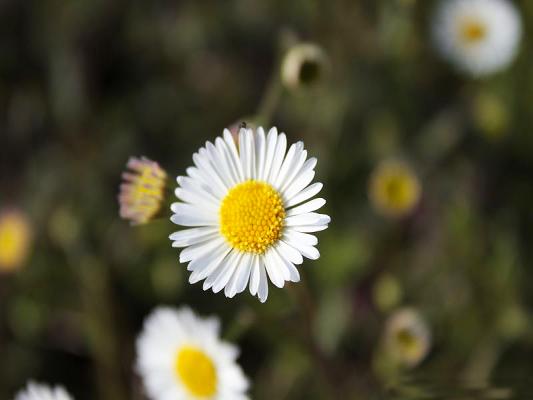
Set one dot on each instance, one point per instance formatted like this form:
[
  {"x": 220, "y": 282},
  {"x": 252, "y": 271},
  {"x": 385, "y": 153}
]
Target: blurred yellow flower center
[
  {"x": 408, "y": 342},
  {"x": 395, "y": 190},
  {"x": 252, "y": 216},
  {"x": 196, "y": 371},
  {"x": 14, "y": 240},
  {"x": 398, "y": 190},
  {"x": 472, "y": 31}
]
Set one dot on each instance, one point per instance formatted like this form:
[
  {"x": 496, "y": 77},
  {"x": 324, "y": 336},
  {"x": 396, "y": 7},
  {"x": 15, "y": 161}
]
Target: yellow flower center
[
  {"x": 394, "y": 189},
  {"x": 472, "y": 31},
  {"x": 14, "y": 241},
  {"x": 196, "y": 371},
  {"x": 398, "y": 191},
  {"x": 408, "y": 342},
  {"x": 252, "y": 216}
]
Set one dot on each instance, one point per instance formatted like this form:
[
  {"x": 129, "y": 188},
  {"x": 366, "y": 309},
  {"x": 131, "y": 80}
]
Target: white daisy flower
[
  {"x": 180, "y": 356},
  {"x": 242, "y": 206},
  {"x": 479, "y": 36},
  {"x": 36, "y": 391}
]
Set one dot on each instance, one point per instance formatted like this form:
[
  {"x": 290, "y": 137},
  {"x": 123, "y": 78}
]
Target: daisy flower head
[
  {"x": 407, "y": 337},
  {"x": 142, "y": 190},
  {"x": 303, "y": 65},
  {"x": 479, "y": 36},
  {"x": 394, "y": 189},
  {"x": 249, "y": 213},
  {"x": 180, "y": 356},
  {"x": 36, "y": 391},
  {"x": 15, "y": 239}
]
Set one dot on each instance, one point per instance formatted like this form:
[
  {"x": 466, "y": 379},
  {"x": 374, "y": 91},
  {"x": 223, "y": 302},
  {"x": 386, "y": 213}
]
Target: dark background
[{"x": 86, "y": 84}]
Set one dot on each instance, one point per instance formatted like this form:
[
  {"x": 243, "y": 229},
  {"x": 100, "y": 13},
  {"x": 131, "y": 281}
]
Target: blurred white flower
[
  {"x": 479, "y": 36},
  {"x": 241, "y": 202},
  {"x": 36, "y": 391},
  {"x": 407, "y": 337},
  {"x": 180, "y": 356}
]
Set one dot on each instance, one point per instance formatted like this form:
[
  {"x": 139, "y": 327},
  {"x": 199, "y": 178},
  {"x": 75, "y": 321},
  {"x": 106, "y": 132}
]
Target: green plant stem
[
  {"x": 269, "y": 101},
  {"x": 307, "y": 311},
  {"x": 99, "y": 322}
]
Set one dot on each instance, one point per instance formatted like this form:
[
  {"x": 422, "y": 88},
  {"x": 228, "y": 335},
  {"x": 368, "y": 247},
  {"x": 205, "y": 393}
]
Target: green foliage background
[{"x": 86, "y": 84}]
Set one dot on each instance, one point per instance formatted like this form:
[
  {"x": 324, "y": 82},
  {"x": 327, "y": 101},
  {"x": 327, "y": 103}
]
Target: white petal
[
  {"x": 200, "y": 249},
  {"x": 271, "y": 141},
  {"x": 203, "y": 178},
  {"x": 290, "y": 274},
  {"x": 305, "y": 194},
  {"x": 289, "y": 252},
  {"x": 197, "y": 199},
  {"x": 299, "y": 183},
  {"x": 309, "y": 228},
  {"x": 201, "y": 261},
  {"x": 224, "y": 267},
  {"x": 274, "y": 270},
  {"x": 307, "y": 219},
  {"x": 228, "y": 138},
  {"x": 231, "y": 268},
  {"x": 292, "y": 157},
  {"x": 302, "y": 238},
  {"x": 255, "y": 275},
  {"x": 244, "y": 276},
  {"x": 240, "y": 278},
  {"x": 208, "y": 264},
  {"x": 308, "y": 207},
  {"x": 263, "y": 284},
  {"x": 211, "y": 175},
  {"x": 226, "y": 154},
  {"x": 279, "y": 155},
  {"x": 187, "y": 237},
  {"x": 246, "y": 151},
  {"x": 300, "y": 168},
  {"x": 307, "y": 251},
  {"x": 188, "y": 215},
  {"x": 197, "y": 185},
  {"x": 260, "y": 152},
  {"x": 220, "y": 165},
  {"x": 310, "y": 252}
]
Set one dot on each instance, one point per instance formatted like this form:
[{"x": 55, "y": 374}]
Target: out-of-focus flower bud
[
  {"x": 394, "y": 189},
  {"x": 407, "y": 338},
  {"x": 142, "y": 190},
  {"x": 303, "y": 65}
]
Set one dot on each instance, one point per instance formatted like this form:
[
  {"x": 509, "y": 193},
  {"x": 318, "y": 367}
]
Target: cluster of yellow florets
[{"x": 251, "y": 216}]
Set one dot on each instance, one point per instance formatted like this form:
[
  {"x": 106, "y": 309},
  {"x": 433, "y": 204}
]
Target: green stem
[
  {"x": 307, "y": 310},
  {"x": 269, "y": 102},
  {"x": 99, "y": 321}
]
